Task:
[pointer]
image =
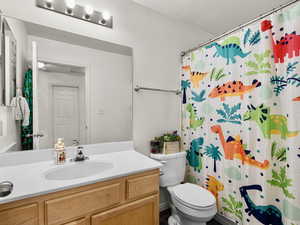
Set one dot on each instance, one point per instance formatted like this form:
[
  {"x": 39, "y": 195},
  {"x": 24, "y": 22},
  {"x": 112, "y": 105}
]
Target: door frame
[{"x": 87, "y": 78}]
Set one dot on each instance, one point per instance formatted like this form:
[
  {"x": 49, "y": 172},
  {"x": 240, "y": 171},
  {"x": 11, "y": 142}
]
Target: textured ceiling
[{"x": 213, "y": 16}]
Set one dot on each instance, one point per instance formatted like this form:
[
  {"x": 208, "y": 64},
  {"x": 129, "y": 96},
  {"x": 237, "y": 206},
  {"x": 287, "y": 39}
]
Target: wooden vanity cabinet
[
  {"x": 141, "y": 212},
  {"x": 83, "y": 221},
  {"x": 25, "y": 215},
  {"x": 132, "y": 200}
]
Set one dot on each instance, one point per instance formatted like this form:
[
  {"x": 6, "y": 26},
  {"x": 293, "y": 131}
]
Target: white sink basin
[{"x": 77, "y": 170}]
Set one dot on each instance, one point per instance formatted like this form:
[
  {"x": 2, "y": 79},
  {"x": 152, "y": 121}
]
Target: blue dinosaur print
[
  {"x": 193, "y": 154},
  {"x": 267, "y": 215},
  {"x": 229, "y": 51}
]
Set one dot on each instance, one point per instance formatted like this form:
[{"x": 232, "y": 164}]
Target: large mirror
[
  {"x": 8, "y": 54},
  {"x": 61, "y": 85}
]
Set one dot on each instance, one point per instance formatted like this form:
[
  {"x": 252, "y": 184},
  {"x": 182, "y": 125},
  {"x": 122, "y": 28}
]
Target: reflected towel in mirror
[{"x": 21, "y": 110}]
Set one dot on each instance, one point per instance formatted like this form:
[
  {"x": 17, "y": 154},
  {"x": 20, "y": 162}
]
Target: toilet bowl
[
  {"x": 190, "y": 203},
  {"x": 194, "y": 204}
]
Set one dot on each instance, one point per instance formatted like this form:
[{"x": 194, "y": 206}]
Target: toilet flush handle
[{"x": 162, "y": 162}]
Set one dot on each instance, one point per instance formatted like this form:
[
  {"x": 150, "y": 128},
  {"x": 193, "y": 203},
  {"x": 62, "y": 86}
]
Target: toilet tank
[{"x": 173, "y": 170}]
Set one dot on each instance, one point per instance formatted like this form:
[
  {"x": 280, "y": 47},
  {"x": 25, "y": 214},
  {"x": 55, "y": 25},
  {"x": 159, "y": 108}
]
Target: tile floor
[{"x": 165, "y": 215}]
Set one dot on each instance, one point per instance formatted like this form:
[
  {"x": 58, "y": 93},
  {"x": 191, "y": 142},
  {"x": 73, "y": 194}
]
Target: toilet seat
[
  {"x": 194, "y": 196},
  {"x": 193, "y": 201}
]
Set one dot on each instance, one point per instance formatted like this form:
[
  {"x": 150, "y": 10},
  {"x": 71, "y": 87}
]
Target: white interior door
[{"x": 66, "y": 116}]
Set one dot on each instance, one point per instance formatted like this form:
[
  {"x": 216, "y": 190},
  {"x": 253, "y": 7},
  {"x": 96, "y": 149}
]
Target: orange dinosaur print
[
  {"x": 233, "y": 88},
  {"x": 195, "y": 77},
  {"x": 297, "y": 99},
  {"x": 214, "y": 186},
  {"x": 234, "y": 149}
]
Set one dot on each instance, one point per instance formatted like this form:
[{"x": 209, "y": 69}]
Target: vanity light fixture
[
  {"x": 89, "y": 10},
  {"x": 105, "y": 17},
  {"x": 71, "y": 8},
  {"x": 70, "y": 5},
  {"x": 48, "y": 3}
]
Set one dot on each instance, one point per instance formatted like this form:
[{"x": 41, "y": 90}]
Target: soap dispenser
[{"x": 60, "y": 152}]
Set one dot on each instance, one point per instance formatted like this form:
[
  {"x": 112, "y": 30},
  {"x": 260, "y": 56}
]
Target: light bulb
[
  {"x": 49, "y": 3},
  {"x": 89, "y": 10},
  {"x": 70, "y": 4},
  {"x": 106, "y": 15},
  {"x": 41, "y": 65}
]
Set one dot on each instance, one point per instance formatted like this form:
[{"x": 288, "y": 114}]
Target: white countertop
[{"x": 29, "y": 180}]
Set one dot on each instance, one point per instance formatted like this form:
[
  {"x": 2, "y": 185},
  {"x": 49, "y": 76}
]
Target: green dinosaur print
[
  {"x": 269, "y": 124},
  {"x": 229, "y": 51},
  {"x": 195, "y": 122}
]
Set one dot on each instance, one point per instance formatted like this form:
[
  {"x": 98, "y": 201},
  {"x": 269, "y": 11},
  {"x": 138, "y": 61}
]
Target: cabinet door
[
  {"x": 24, "y": 215},
  {"x": 83, "y": 221},
  {"x": 142, "y": 212},
  {"x": 138, "y": 187},
  {"x": 63, "y": 209}
]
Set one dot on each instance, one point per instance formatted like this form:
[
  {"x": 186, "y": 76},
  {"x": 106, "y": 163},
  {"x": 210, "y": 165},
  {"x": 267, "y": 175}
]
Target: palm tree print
[
  {"x": 280, "y": 179},
  {"x": 213, "y": 152},
  {"x": 184, "y": 85}
]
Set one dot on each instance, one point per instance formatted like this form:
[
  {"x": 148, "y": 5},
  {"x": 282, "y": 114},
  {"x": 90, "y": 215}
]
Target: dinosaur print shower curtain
[{"x": 241, "y": 120}]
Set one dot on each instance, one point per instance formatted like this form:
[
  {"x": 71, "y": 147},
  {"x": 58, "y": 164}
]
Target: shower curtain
[
  {"x": 26, "y": 133},
  {"x": 241, "y": 120}
]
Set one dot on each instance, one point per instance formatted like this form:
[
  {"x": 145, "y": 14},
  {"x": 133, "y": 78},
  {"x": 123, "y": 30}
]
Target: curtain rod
[
  {"x": 240, "y": 26},
  {"x": 138, "y": 88}
]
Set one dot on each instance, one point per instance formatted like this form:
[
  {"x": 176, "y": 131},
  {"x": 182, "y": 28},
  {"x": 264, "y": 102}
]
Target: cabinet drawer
[
  {"x": 24, "y": 215},
  {"x": 140, "y": 186},
  {"x": 141, "y": 212},
  {"x": 76, "y": 205},
  {"x": 83, "y": 221}
]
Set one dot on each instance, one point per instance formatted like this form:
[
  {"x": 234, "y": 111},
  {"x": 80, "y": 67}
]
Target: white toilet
[{"x": 190, "y": 203}]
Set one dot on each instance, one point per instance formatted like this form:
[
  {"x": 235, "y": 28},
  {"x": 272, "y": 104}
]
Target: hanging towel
[{"x": 21, "y": 110}]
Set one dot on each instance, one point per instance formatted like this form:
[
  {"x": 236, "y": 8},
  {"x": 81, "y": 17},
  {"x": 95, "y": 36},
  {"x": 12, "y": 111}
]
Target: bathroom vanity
[
  {"x": 130, "y": 200},
  {"x": 126, "y": 193}
]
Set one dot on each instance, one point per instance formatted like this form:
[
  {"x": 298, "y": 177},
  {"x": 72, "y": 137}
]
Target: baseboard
[
  {"x": 219, "y": 218},
  {"x": 163, "y": 206},
  {"x": 223, "y": 220}
]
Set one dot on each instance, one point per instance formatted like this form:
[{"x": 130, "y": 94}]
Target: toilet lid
[{"x": 194, "y": 196}]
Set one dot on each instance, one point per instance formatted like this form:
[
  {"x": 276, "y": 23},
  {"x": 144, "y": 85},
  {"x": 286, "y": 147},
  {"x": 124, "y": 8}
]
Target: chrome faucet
[{"x": 79, "y": 157}]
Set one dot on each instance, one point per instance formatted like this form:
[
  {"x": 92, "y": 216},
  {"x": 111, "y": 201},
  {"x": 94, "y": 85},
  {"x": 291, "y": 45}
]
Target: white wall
[
  {"x": 156, "y": 41},
  {"x": 109, "y": 87},
  {"x": 10, "y": 127}
]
